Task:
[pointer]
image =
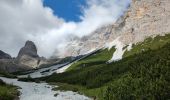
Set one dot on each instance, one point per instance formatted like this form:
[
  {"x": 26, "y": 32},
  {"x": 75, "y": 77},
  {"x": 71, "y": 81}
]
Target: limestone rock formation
[
  {"x": 28, "y": 55},
  {"x": 27, "y": 59},
  {"x": 29, "y": 49},
  {"x": 143, "y": 19},
  {"x": 4, "y": 55},
  {"x": 10, "y": 65}
]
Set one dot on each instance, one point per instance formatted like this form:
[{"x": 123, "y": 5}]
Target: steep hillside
[
  {"x": 142, "y": 73},
  {"x": 105, "y": 55},
  {"x": 143, "y": 19}
]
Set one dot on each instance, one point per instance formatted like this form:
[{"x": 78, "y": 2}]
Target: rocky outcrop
[
  {"x": 28, "y": 55},
  {"x": 146, "y": 18},
  {"x": 4, "y": 55},
  {"x": 27, "y": 59},
  {"x": 29, "y": 49},
  {"x": 10, "y": 65},
  {"x": 143, "y": 19}
]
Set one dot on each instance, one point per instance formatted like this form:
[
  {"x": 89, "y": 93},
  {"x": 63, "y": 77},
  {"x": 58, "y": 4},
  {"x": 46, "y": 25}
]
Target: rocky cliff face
[
  {"x": 29, "y": 49},
  {"x": 28, "y": 56},
  {"x": 8, "y": 64},
  {"x": 143, "y": 19},
  {"x": 146, "y": 18},
  {"x": 27, "y": 59},
  {"x": 4, "y": 55}
]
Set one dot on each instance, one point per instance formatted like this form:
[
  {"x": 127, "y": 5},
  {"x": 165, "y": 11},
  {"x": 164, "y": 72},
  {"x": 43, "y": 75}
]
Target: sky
[
  {"x": 49, "y": 23},
  {"x": 70, "y": 10}
]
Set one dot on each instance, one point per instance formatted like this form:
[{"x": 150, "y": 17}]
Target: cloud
[{"x": 23, "y": 20}]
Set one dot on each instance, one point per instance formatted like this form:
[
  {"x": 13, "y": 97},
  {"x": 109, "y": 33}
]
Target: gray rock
[
  {"x": 29, "y": 49},
  {"x": 144, "y": 18},
  {"x": 4, "y": 55},
  {"x": 10, "y": 65},
  {"x": 28, "y": 55}
]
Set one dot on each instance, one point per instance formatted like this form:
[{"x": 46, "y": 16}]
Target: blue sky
[{"x": 70, "y": 10}]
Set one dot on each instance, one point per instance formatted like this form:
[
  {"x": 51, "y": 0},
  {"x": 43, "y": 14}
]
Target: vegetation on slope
[
  {"x": 100, "y": 57},
  {"x": 8, "y": 92},
  {"x": 147, "y": 44},
  {"x": 141, "y": 75},
  {"x": 8, "y": 75}
]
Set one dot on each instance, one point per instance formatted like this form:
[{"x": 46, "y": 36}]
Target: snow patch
[
  {"x": 90, "y": 51},
  {"x": 117, "y": 55},
  {"x": 63, "y": 69},
  {"x": 43, "y": 72},
  {"x": 129, "y": 47}
]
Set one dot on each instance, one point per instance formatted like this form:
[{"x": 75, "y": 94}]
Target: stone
[
  {"x": 4, "y": 55},
  {"x": 28, "y": 55},
  {"x": 144, "y": 18}
]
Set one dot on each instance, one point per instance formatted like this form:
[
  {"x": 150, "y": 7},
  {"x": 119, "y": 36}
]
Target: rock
[
  {"x": 27, "y": 59},
  {"x": 28, "y": 55},
  {"x": 10, "y": 65},
  {"x": 4, "y": 55},
  {"x": 144, "y": 18},
  {"x": 7, "y": 64},
  {"x": 29, "y": 49}
]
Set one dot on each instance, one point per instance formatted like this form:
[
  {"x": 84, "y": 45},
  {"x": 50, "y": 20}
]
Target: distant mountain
[
  {"x": 29, "y": 49},
  {"x": 4, "y": 55},
  {"x": 27, "y": 59},
  {"x": 28, "y": 55}
]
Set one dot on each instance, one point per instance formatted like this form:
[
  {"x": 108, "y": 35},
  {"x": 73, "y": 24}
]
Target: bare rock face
[
  {"x": 27, "y": 59},
  {"x": 143, "y": 19},
  {"x": 10, "y": 65},
  {"x": 28, "y": 55},
  {"x": 146, "y": 18},
  {"x": 4, "y": 55},
  {"x": 29, "y": 49}
]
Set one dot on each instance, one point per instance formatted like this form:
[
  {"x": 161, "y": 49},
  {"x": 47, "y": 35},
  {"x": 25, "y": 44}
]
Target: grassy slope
[
  {"x": 99, "y": 79},
  {"x": 8, "y": 92},
  {"x": 149, "y": 43},
  {"x": 101, "y": 57}
]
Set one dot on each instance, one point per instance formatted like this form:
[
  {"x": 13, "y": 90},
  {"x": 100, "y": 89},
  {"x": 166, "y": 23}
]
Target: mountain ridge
[{"x": 143, "y": 19}]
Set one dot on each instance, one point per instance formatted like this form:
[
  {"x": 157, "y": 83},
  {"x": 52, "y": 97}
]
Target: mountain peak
[
  {"x": 4, "y": 55},
  {"x": 29, "y": 49}
]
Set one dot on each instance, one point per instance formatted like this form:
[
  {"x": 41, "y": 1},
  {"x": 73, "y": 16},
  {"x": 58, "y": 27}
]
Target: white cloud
[{"x": 23, "y": 20}]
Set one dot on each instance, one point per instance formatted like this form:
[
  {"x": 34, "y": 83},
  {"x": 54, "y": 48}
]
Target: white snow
[
  {"x": 63, "y": 69},
  {"x": 117, "y": 55},
  {"x": 42, "y": 91},
  {"x": 129, "y": 47},
  {"x": 113, "y": 43},
  {"x": 91, "y": 50},
  {"x": 43, "y": 72}
]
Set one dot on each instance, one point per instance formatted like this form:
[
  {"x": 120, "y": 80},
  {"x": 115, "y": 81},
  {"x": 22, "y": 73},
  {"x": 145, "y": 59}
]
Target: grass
[
  {"x": 102, "y": 56},
  {"x": 147, "y": 44},
  {"x": 8, "y": 92},
  {"x": 142, "y": 73},
  {"x": 8, "y": 75},
  {"x": 92, "y": 93}
]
